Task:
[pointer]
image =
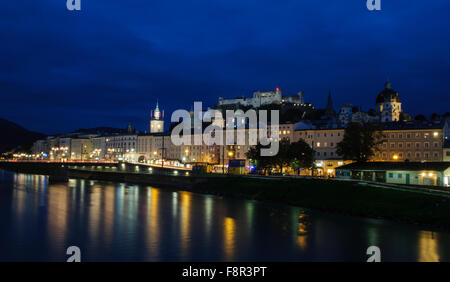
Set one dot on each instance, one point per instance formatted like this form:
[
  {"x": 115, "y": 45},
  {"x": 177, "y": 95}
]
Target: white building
[
  {"x": 81, "y": 149},
  {"x": 121, "y": 147},
  {"x": 60, "y": 148},
  {"x": 263, "y": 98},
  {"x": 98, "y": 147},
  {"x": 40, "y": 149},
  {"x": 389, "y": 104}
]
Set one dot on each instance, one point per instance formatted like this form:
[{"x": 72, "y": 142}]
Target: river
[{"x": 122, "y": 222}]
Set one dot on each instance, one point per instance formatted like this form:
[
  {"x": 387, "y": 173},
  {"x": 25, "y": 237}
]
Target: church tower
[
  {"x": 389, "y": 104},
  {"x": 156, "y": 121},
  {"x": 329, "y": 110}
]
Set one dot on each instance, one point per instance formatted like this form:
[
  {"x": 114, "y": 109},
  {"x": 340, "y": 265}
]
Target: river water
[{"x": 122, "y": 222}]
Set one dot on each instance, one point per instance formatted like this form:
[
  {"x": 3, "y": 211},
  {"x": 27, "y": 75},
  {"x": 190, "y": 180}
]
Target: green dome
[{"x": 388, "y": 94}]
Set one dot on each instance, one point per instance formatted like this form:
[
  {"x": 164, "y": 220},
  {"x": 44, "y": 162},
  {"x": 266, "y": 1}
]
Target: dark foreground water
[{"x": 120, "y": 222}]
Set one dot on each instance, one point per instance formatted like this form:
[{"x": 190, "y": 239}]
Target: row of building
[
  {"x": 414, "y": 141},
  {"x": 411, "y": 141}
]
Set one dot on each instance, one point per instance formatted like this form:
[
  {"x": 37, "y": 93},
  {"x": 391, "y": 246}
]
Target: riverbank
[
  {"x": 338, "y": 197},
  {"x": 342, "y": 197}
]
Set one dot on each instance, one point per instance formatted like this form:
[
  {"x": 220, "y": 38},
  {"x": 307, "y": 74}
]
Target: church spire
[
  {"x": 329, "y": 110},
  {"x": 387, "y": 84},
  {"x": 157, "y": 113}
]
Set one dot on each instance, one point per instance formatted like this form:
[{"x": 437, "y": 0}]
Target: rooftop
[
  {"x": 382, "y": 166},
  {"x": 413, "y": 125}
]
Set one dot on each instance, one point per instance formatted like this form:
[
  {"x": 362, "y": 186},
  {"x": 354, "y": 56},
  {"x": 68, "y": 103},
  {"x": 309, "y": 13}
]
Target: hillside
[{"x": 14, "y": 135}]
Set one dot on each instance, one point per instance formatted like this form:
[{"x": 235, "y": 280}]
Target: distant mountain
[
  {"x": 14, "y": 135},
  {"x": 100, "y": 130}
]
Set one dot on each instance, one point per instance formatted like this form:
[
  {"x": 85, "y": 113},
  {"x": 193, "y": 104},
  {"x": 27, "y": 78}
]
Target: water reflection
[
  {"x": 229, "y": 237},
  {"x": 428, "y": 247},
  {"x": 153, "y": 226},
  {"x": 57, "y": 219},
  {"x": 185, "y": 239},
  {"x": 302, "y": 230},
  {"x": 111, "y": 221}
]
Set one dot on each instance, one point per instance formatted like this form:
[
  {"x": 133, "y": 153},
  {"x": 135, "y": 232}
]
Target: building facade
[
  {"x": 121, "y": 147},
  {"x": 263, "y": 98},
  {"x": 80, "y": 149},
  {"x": 324, "y": 143},
  {"x": 410, "y": 173},
  {"x": 413, "y": 141}
]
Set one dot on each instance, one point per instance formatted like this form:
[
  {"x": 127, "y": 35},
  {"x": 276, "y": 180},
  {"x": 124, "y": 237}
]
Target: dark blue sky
[{"x": 108, "y": 64}]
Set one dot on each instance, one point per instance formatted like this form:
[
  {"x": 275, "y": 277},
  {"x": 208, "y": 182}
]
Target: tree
[
  {"x": 262, "y": 163},
  {"x": 360, "y": 142},
  {"x": 282, "y": 158},
  {"x": 297, "y": 155},
  {"x": 435, "y": 117},
  {"x": 301, "y": 155},
  {"x": 420, "y": 117}
]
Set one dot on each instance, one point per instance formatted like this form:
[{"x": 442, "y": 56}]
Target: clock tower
[{"x": 156, "y": 120}]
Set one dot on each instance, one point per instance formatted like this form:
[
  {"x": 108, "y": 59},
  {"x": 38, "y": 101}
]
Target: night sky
[{"x": 107, "y": 65}]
